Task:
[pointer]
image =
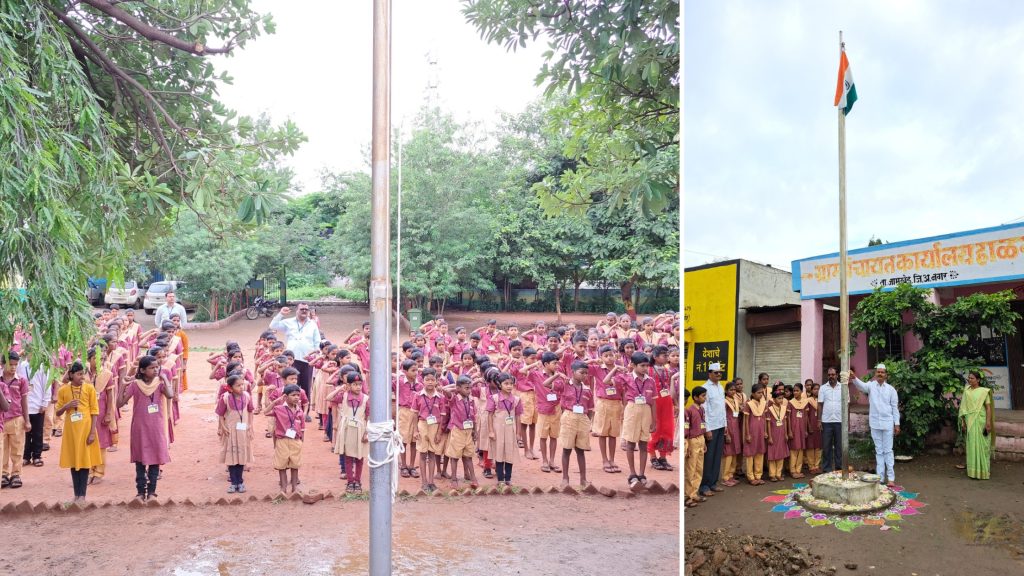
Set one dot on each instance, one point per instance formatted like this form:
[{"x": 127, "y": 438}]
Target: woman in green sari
[{"x": 976, "y": 423}]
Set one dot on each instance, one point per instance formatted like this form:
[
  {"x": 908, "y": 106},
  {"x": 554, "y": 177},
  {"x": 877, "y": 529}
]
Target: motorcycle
[{"x": 262, "y": 307}]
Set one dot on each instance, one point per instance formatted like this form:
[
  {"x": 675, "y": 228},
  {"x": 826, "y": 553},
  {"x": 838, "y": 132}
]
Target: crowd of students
[
  {"x": 778, "y": 423},
  {"x": 491, "y": 395},
  {"x": 488, "y": 399}
]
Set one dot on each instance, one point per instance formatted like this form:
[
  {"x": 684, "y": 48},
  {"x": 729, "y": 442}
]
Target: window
[{"x": 893, "y": 349}]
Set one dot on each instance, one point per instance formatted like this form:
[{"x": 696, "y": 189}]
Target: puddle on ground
[
  {"x": 999, "y": 531},
  {"x": 345, "y": 555}
]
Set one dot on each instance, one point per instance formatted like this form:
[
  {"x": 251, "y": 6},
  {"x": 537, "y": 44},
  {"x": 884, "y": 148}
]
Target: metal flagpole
[
  {"x": 398, "y": 258},
  {"x": 380, "y": 290},
  {"x": 844, "y": 297}
]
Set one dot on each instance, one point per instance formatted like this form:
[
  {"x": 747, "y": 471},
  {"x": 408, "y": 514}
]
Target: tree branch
[{"x": 153, "y": 33}]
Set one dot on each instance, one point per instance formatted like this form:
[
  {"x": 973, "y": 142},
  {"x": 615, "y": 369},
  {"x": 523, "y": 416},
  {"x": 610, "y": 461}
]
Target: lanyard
[
  {"x": 468, "y": 404},
  {"x": 640, "y": 386},
  {"x": 75, "y": 396},
  {"x": 579, "y": 393},
  {"x": 237, "y": 407},
  {"x": 662, "y": 376},
  {"x": 508, "y": 409},
  {"x": 356, "y": 407},
  {"x": 430, "y": 407},
  {"x": 293, "y": 418}
]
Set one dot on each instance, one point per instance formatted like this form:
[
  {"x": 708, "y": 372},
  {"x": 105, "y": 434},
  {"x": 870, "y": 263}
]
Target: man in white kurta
[{"x": 884, "y": 419}]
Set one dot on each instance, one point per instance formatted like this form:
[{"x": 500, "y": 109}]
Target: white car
[
  {"x": 156, "y": 295},
  {"x": 131, "y": 294}
]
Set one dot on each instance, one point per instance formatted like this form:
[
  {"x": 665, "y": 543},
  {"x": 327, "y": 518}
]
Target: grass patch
[{"x": 321, "y": 292}]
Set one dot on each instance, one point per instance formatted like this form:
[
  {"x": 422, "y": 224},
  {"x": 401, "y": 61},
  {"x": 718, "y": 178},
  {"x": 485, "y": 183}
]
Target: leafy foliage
[
  {"x": 929, "y": 381},
  {"x": 110, "y": 123},
  {"x": 619, "y": 63}
]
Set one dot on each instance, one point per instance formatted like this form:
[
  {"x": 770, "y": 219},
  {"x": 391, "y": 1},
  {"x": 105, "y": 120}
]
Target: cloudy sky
[
  {"x": 317, "y": 71},
  {"x": 935, "y": 143}
]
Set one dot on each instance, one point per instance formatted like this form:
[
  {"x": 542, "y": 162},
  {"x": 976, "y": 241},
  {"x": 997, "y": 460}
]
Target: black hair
[
  {"x": 757, "y": 386},
  {"x": 474, "y": 336},
  {"x": 469, "y": 353},
  {"x": 778, "y": 394},
  {"x": 416, "y": 355},
  {"x": 353, "y": 376},
  {"x": 548, "y": 357},
  {"x": 428, "y": 372},
  {"x": 289, "y": 354},
  {"x": 435, "y": 359},
  {"x": 407, "y": 345},
  {"x": 144, "y": 362},
  {"x": 482, "y": 358},
  {"x": 686, "y": 394},
  {"x": 232, "y": 366},
  {"x": 407, "y": 364},
  {"x": 291, "y": 388},
  {"x": 730, "y": 384},
  {"x": 658, "y": 350},
  {"x": 503, "y": 376},
  {"x": 13, "y": 356},
  {"x": 365, "y": 324},
  {"x": 232, "y": 379},
  {"x": 281, "y": 358},
  {"x": 577, "y": 365},
  {"x": 76, "y": 367},
  {"x": 554, "y": 334},
  {"x": 606, "y": 348},
  {"x": 579, "y": 338},
  {"x": 464, "y": 381},
  {"x": 798, "y": 386},
  {"x": 289, "y": 371},
  {"x": 342, "y": 353},
  {"x": 639, "y": 358},
  {"x": 623, "y": 342},
  {"x": 529, "y": 351},
  {"x": 698, "y": 391},
  {"x": 515, "y": 344}
]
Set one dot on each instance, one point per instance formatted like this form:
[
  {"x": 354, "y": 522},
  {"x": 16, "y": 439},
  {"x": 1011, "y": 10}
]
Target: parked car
[
  {"x": 156, "y": 296},
  {"x": 131, "y": 294},
  {"x": 94, "y": 292}
]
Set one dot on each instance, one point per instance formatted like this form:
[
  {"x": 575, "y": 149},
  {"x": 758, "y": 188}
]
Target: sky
[
  {"x": 934, "y": 144},
  {"x": 317, "y": 71}
]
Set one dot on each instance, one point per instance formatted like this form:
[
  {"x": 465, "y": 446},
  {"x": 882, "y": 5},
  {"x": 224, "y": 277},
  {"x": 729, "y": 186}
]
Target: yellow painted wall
[{"x": 709, "y": 320}]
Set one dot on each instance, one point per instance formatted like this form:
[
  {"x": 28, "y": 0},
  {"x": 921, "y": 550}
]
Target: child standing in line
[
  {"x": 549, "y": 412},
  {"x": 406, "y": 387},
  {"x": 755, "y": 433},
  {"x": 79, "y": 450},
  {"x": 778, "y": 436},
  {"x": 504, "y": 409},
  {"x": 289, "y": 423},
  {"x": 608, "y": 409},
  {"x": 664, "y": 406},
  {"x": 520, "y": 366},
  {"x": 430, "y": 417},
  {"x": 351, "y": 441},
  {"x": 694, "y": 430},
  {"x": 813, "y": 427},
  {"x": 733, "y": 435},
  {"x": 797, "y": 421},
  {"x": 462, "y": 433},
  {"x": 150, "y": 394},
  {"x": 577, "y": 402},
  {"x": 639, "y": 419},
  {"x": 235, "y": 409}
]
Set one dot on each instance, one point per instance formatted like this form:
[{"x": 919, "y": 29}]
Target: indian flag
[{"x": 846, "y": 92}]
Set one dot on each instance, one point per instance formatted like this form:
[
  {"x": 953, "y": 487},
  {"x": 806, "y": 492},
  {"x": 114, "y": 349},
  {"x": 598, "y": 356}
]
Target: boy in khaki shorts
[
  {"x": 462, "y": 432},
  {"x": 520, "y": 369},
  {"x": 430, "y": 417},
  {"x": 549, "y": 412},
  {"x": 694, "y": 431},
  {"x": 289, "y": 423},
  {"x": 639, "y": 419},
  {"x": 577, "y": 403},
  {"x": 608, "y": 406}
]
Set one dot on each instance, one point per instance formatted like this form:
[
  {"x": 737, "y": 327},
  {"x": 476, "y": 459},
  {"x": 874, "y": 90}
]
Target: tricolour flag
[{"x": 846, "y": 92}]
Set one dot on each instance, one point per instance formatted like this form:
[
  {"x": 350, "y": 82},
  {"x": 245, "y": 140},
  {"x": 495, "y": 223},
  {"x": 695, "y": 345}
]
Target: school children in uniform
[
  {"x": 406, "y": 387},
  {"x": 813, "y": 426},
  {"x": 796, "y": 416},
  {"x": 504, "y": 409},
  {"x": 778, "y": 435},
  {"x": 150, "y": 394},
  {"x": 577, "y": 402},
  {"x": 234, "y": 410},
  {"x": 608, "y": 407},
  {"x": 462, "y": 431},
  {"x": 660, "y": 446},
  {"x": 350, "y": 440},
  {"x": 696, "y": 435},
  {"x": 733, "y": 435},
  {"x": 289, "y": 426},
  {"x": 755, "y": 434},
  {"x": 549, "y": 411},
  {"x": 430, "y": 417},
  {"x": 639, "y": 419}
]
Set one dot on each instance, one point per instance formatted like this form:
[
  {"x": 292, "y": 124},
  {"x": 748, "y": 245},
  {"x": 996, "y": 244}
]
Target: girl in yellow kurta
[{"x": 80, "y": 449}]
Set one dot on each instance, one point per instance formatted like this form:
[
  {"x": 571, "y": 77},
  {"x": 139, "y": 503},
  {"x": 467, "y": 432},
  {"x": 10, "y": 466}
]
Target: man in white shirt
[
  {"x": 38, "y": 399},
  {"x": 714, "y": 420},
  {"x": 884, "y": 419},
  {"x": 170, "y": 306},
  {"x": 302, "y": 338},
  {"x": 830, "y": 402}
]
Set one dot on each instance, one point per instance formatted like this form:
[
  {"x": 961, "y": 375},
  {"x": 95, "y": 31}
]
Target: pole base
[{"x": 857, "y": 494}]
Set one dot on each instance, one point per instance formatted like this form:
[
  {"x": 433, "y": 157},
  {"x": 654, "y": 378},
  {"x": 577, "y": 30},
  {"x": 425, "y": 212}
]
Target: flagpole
[{"x": 844, "y": 297}]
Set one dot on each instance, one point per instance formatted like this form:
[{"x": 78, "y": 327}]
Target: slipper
[
  {"x": 37, "y": 462},
  {"x": 690, "y": 503},
  {"x": 112, "y": 449},
  {"x": 414, "y": 472},
  {"x": 545, "y": 468},
  {"x": 706, "y": 494},
  {"x": 616, "y": 469},
  {"x": 58, "y": 433},
  {"x": 555, "y": 468},
  {"x": 405, "y": 472},
  {"x": 6, "y": 482},
  {"x": 607, "y": 469},
  {"x": 961, "y": 467},
  {"x": 701, "y": 499},
  {"x": 718, "y": 489},
  {"x": 46, "y": 447},
  {"x": 16, "y": 482}
]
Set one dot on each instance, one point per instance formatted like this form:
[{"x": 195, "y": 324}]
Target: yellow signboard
[{"x": 711, "y": 299}]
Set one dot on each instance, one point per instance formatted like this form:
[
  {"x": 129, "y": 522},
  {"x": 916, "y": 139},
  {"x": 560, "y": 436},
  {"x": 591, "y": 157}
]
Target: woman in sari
[{"x": 976, "y": 422}]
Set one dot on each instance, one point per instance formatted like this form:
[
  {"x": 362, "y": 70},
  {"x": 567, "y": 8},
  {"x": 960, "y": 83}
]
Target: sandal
[
  {"x": 58, "y": 433},
  {"x": 414, "y": 472},
  {"x": 656, "y": 464},
  {"x": 690, "y": 503},
  {"x": 643, "y": 480},
  {"x": 616, "y": 469},
  {"x": 405, "y": 473},
  {"x": 555, "y": 468},
  {"x": 37, "y": 462},
  {"x": 545, "y": 468},
  {"x": 488, "y": 474},
  {"x": 16, "y": 482},
  {"x": 6, "y": 482},
  {"x": 607, "y": 469},
  {"x": 961, "y": 466},
  {"x": 666, "y": 466},
  {"x": 633, "y": 480}
]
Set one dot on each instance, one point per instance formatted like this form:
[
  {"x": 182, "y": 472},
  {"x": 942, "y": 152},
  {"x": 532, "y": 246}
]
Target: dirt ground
[
  {"x": 525, "y": 533},
  {"x": 967, "y": 527}
]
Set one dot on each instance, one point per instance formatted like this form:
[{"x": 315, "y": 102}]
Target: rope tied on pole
[{"x": 385, "y": 432}]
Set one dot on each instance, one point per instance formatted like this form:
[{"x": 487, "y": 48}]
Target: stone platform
[{"x": 859, "y": 493}]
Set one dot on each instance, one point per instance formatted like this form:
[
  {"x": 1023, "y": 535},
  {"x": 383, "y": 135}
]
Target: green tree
[
  {"x": 929, "y": 381},
  {"x": 110, "y": 121},
  {"x": 619, "y": 63}
]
